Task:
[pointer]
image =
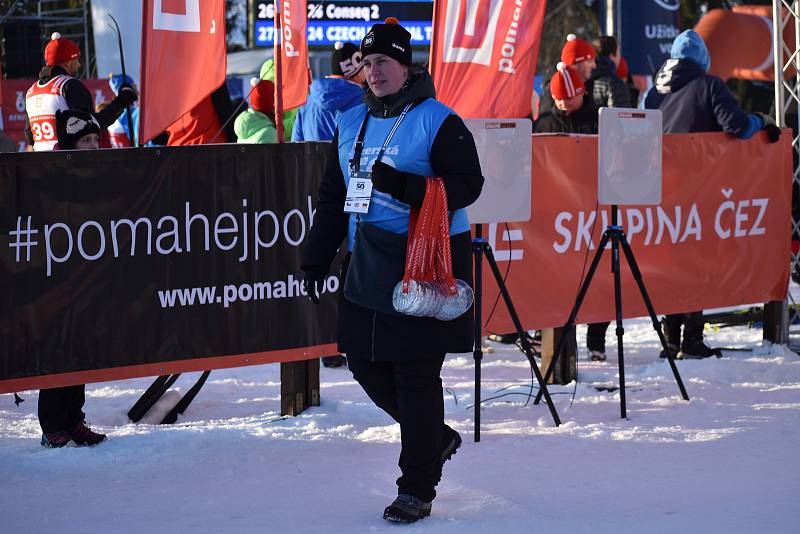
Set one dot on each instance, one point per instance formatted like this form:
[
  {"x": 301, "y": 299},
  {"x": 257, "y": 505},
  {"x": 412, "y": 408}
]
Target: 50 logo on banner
[{"x": 470, "y": 27}]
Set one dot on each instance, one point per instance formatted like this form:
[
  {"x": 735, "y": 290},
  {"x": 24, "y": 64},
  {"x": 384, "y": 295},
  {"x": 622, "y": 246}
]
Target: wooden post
[
  {"x": 299, "y": 386},
  {"x": 776, "y": 322},
  {"x": 312, "y": 382},
  {"x": 565, "y": 370}
]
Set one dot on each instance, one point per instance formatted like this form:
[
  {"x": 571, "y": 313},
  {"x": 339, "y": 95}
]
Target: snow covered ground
[{"x": 727, "y": 461}]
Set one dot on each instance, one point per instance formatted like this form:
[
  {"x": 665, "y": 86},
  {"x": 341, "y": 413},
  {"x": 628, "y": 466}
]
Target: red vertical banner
[
  {"x": 492, "y": 43},
  {"x": 294, "y": 76},
  {"x": 183, "y": 59}
]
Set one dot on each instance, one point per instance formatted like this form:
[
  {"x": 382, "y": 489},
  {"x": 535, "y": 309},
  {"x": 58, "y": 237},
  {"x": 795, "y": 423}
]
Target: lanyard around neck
[{"x": 358, "y": 147}]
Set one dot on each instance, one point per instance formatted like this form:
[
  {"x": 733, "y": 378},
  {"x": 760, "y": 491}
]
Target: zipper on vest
[
  {"x": 385, "y": 111},
  {"x": 372, "y": 345}
]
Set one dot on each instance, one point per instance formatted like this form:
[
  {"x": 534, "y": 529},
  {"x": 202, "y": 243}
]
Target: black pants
[
  {"x": 411, "y": 393},
  {"x": 692, "y": 327},
  {"x": 596, "y": 336},
  {"x": 61, "y": 408}
]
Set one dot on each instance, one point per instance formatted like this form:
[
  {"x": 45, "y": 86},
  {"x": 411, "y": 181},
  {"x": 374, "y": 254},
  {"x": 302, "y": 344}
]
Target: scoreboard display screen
[{"x": 348, "y": 21}]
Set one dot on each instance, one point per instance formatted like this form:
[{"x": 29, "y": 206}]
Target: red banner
[
  {"x": 494, "y": 44},
  {"x": 183, "y": 59},
  {"x": 720, "y": 236},
  {"x": 294, "y": 53}
]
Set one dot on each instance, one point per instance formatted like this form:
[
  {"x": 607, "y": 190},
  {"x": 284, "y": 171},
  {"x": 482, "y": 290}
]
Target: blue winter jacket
[
  {"x": 327, "y": 99},
  {"x": 692, "y": 100}
]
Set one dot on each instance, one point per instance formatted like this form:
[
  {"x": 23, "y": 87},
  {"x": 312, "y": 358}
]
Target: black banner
[{"x": 119, "y": 258}]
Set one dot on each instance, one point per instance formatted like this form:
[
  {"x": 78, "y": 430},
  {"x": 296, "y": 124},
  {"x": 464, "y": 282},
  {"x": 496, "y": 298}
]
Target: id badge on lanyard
[{"x": 359, "y": 188}]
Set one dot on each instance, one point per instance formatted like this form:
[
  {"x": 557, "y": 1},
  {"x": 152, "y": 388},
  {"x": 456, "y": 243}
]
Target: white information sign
[
  {"x": 629, "y": 157},
  {"x": 504, "y": 150}
]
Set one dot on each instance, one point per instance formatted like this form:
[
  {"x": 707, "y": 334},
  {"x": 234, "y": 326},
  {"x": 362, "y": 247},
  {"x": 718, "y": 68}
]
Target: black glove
[
  {"x": 313, "y": 283},
  {"x": 389, "y": 180},
  {"x": 773, "y": 133},
  {"x": 127, "y": 95},
  {"x": 772, "y": 130}
]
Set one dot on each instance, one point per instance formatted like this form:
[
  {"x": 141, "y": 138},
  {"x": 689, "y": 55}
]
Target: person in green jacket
[
  {"x": 289, "y": 115},
  {"x": 257, "y": 124}
]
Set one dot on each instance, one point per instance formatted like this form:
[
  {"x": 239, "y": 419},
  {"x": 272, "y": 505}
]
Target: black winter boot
[
  {"x": 671, "y": 327},
  {"x": 407, "y": 509},
  {"x": 693, "y": 347},
  {"x": 696, "y": 349}
]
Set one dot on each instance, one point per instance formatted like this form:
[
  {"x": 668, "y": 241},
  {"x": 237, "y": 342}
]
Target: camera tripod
[
  {"x": 480, "y": 248},
  {"x": 616, "y": 235}
]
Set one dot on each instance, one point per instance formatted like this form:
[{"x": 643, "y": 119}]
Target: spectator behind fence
[
  {"x": 60, "y": 410},
  {"x": 693, "y": 101},
  {"x": 329, "y": 97},
  {"x": 289, "y": 115},
  {"x": 257, "y": 124},
  {"x": 59, "y": 89},
  {"x": 607, "y": 90},
  {"x": 576, "y": 53},
  {"x": 574, "y": 111},
  {"x": 397, "y": 359}
]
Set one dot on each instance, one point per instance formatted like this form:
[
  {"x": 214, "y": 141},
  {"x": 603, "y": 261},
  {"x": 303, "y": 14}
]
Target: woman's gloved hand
[{"x": 389, "y": 180}]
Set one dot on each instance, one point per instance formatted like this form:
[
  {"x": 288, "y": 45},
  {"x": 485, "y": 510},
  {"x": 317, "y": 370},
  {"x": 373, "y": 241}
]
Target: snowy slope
[{"x": 727, "y": 461}]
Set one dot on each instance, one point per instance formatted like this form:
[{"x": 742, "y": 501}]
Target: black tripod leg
[
  {"x": 570, "y": 324},
  {"x": 477, "y": 354},
  {"x": 172, "y": 416},
  {"x": 159, "y": 386},
  {"x": 523, "y": 336},
  {"x": 637, "y": 275},
  {"x": 615, "y": 238}
]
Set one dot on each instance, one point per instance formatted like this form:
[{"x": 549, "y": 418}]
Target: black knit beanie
[
  {"x": 389, "y": 39},
  {"x": 345, "y": 60},
  {"x": 71, "y": 125}
]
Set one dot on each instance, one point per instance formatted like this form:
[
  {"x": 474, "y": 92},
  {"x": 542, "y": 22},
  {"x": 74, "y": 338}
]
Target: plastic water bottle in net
[{"x": 458, "y": 304}]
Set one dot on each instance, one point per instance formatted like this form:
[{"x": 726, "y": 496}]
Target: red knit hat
[
  {"x": 262, "y": 98},
  {"x": 566, "y": 83},
  {"x": 576, "y": 50},
  {"x": 622, "y": 69},
  {"x": 60, "y": 50}
]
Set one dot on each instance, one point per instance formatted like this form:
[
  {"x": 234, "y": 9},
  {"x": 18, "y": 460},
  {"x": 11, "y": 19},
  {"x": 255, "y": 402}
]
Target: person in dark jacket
[
  {"x": 574, "y": 111},
  {"x": 693, "y": 101},
  {"x": 60, "y": 410},
  {"x": 58, "y": 89},
  {"x": 329, "y": 97},
  {"x": 402, "y": 135},
  {"x": 606, "y": 88}
]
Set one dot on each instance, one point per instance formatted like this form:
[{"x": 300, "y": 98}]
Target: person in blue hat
[{"x": 691, "y": 100}]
